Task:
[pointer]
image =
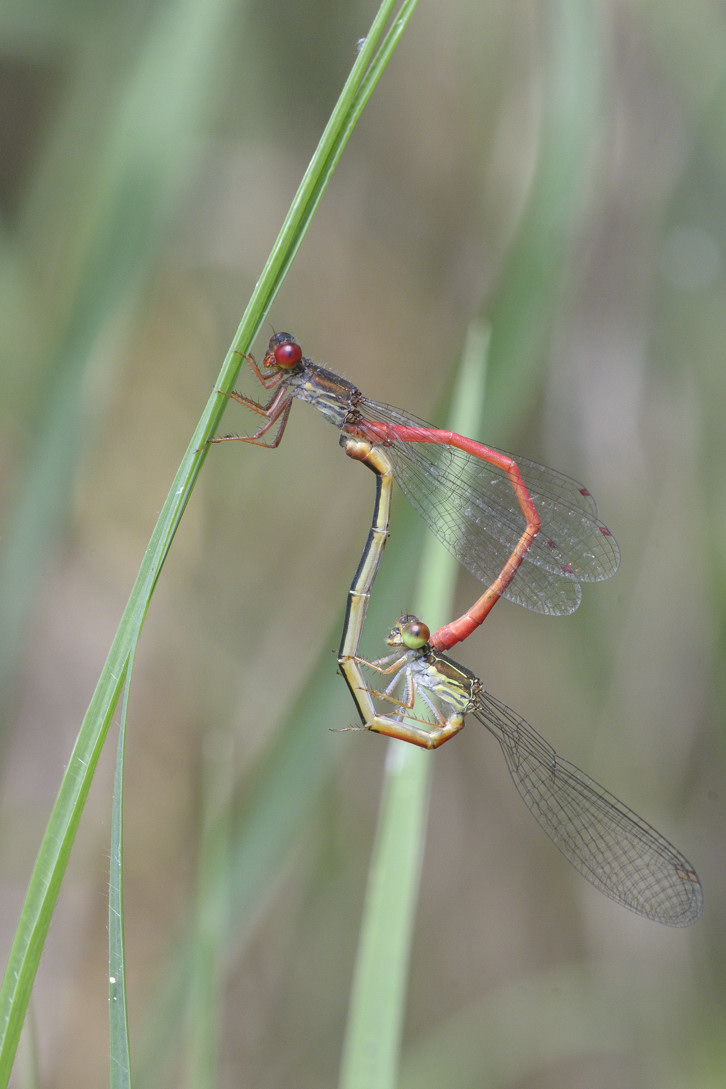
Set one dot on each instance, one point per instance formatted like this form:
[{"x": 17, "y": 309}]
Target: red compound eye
[{"x": 286, "y": 350}]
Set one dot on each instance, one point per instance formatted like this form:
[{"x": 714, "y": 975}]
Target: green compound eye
[{"x": 414, "y": 633}]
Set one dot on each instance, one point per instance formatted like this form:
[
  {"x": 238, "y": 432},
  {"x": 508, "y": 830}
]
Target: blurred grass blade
[
  {"x": 378, "y": 1001},
  {"x": 60, "y": 833},
  {"x": 119, "y": 210},
  {"x": 522, "y": 309}
]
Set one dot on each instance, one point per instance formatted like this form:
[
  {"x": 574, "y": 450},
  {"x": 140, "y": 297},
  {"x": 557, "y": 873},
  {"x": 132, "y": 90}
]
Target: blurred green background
[{"x": 558, "y": 169}]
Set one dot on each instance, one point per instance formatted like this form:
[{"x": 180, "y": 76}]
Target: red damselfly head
[{"x": 283, "y": 352}]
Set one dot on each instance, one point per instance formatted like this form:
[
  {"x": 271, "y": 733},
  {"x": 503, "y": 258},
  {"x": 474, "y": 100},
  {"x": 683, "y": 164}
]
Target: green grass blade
[
  {"x": 208, "y": 949},
  {"x": 119, "y": 1045},
  {"x": 373, "y": 1035}
]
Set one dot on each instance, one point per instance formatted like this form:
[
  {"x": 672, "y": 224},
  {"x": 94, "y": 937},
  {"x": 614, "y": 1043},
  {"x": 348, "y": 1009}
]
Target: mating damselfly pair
[{"x": 531, "y": 535}]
